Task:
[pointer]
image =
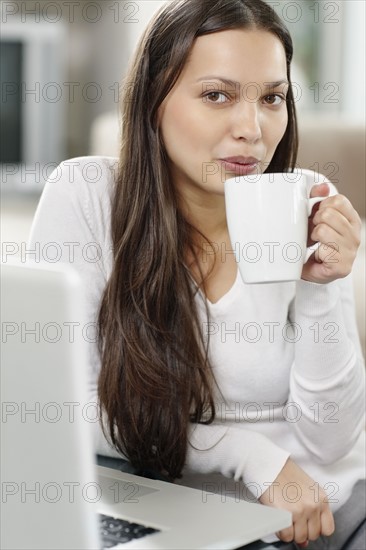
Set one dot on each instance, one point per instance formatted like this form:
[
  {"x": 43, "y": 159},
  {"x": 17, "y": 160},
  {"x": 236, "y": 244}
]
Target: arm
[
  {"x": 327, "y": 381},
  {"x": 71, "y": 215},
  {"x": 236, "y": 453}
]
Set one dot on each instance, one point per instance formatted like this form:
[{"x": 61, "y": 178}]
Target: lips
[
  {"x": 240, "y": 165},
  {"x": 241, "y": 160}
]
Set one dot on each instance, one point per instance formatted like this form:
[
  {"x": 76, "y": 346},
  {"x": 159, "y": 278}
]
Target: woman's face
[{"x": 203, "y": 119}]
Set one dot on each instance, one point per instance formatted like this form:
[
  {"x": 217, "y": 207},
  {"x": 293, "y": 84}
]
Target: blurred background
[{"x": 62, "y": 63}]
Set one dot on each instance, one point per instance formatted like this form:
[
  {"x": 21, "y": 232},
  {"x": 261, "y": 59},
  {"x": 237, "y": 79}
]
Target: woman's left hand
[{"x": 337, "y": 226}]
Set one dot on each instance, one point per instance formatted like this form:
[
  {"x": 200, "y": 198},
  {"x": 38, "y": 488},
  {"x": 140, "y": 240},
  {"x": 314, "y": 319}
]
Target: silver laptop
[{"x": 54, "y": 496}]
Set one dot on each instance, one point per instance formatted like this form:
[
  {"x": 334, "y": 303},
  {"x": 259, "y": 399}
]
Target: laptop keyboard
[{"x": 118, "y": 531}]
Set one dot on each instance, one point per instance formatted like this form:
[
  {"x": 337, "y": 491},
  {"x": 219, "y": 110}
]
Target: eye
[
  {"x": 274, "y": 99},
  {"x": 215, "y": 94}
]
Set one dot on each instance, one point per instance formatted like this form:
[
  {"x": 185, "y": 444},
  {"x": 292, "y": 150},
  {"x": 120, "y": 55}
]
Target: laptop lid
[
  {"x": 44, "y": 481},
  {"x": 51, "y": 488}
]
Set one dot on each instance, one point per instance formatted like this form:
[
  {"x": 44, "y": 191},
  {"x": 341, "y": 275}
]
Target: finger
[
  {"x": 342, "y": 205},
  {"x": 330, "y": 257},
  {"x": 320, "y": 190},
  {"x": 327, "y": 522},
  {"x": 332, "y": 249},
  {"x": 334, "y": 219},
  {"x": 314, "y": 526},
  {"x": 286, "y": 535},
  {"x": 326, "y": 235},
  {"x": 301, "y": 531}
]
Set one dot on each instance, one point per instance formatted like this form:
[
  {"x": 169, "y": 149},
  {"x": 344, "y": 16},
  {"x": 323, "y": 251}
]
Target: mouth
[{"x": 240, "y": 165}]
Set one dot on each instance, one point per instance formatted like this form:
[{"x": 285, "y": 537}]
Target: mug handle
[{"x": 310, "y": 204}]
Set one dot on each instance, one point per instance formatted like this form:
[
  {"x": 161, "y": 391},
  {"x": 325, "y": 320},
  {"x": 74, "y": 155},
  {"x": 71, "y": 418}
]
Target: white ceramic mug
[{"x": 267, "y": 217}]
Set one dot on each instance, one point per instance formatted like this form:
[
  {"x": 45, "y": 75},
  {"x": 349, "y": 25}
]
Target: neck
[{"x": 207, "y": 215}]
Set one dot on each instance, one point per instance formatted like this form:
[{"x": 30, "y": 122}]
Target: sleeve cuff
[
  {"x": 236, "y": 453},
  {"x": 314, "y": 299}
]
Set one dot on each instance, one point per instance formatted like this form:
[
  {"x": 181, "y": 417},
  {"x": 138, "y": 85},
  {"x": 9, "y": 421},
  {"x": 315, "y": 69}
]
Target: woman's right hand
[{"x": 295, "y": 491}]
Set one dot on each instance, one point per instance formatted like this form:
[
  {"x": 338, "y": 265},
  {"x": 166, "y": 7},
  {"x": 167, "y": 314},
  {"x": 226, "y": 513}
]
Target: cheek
[
  {"x": 277, "y": 129},
  {"x": 181, "y": 131}
]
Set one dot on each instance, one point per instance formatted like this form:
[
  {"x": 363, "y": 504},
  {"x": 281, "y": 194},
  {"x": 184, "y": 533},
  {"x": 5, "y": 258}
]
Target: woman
[{"x": 210, "y": 81}]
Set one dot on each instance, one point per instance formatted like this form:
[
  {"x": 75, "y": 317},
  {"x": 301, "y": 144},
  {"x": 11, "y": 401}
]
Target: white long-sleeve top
[{"x": 286, "y": 356}]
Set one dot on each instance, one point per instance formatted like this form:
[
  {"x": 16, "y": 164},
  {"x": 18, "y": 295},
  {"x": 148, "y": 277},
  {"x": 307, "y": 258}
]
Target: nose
[{"x": 246, "y": 122}]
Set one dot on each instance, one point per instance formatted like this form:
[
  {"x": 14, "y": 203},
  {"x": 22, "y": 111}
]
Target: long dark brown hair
[{"x": 155, "y": 375}]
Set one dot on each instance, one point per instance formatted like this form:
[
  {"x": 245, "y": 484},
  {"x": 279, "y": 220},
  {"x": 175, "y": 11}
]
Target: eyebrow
[{"x": 234, "y": 83}]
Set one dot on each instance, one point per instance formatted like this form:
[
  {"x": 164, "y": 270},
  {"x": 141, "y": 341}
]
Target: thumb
[{"x": 320, "y": 190}]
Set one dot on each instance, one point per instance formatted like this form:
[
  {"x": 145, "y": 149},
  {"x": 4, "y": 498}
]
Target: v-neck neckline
[{"x": 224, "y": 298}]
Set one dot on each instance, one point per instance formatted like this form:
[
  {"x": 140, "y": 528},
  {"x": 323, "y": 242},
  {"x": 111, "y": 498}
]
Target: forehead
[{"x": 247, "y": 55}]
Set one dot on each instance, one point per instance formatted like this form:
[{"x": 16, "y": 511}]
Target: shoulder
[
  {"x": 77, "y": 198},
  {"x": 83, "y": 183},
  {"x": 88, "y": 174}
]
